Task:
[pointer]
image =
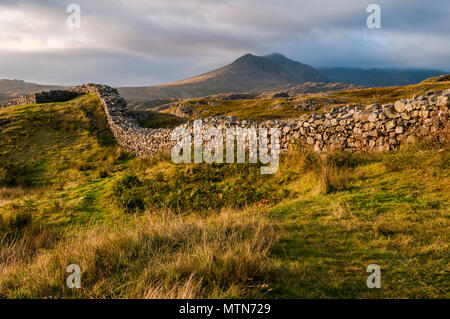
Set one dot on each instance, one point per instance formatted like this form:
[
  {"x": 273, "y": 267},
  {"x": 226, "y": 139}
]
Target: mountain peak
[
  {"x": 248, "y": 73},
  {"x": 250, "y": 56},
  {"x": 275, "y": 55},
  {"x": 246, "y": 57}
]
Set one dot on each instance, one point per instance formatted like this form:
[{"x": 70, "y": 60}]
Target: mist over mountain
[{"x": 378, "y": 77}]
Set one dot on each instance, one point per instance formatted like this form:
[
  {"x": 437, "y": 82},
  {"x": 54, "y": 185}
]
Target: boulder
[
  {"x": 389, "y": 112},
  {"x": 390, "y": 125},
  {"x": 400, "y": 106}
]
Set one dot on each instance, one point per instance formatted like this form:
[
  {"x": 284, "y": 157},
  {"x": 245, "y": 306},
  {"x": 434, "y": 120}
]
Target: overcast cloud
[{"x": 137, "y": 42}]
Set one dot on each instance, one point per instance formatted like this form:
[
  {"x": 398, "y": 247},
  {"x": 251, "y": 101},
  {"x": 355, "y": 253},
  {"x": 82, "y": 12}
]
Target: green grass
[
  {"x": 64, "y": 152},
  {"x": 142, "y": 228},
  {"x": 158, "y": 120},
  {"x": 262, "y": 109},
  {"x": 396, "y": 219}
]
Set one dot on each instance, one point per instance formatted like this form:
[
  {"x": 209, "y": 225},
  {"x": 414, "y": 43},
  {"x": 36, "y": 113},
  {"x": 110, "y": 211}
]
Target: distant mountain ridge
[
  {"x": 10, "y": 89},
  {"x": 249, "y": 73},
  {"x": 378, "y": 77}
]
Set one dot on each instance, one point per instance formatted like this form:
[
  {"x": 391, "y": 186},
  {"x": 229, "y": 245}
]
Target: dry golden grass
[
  {"x": 223, "y": 255},
  {"x": 335, "y": 180}
]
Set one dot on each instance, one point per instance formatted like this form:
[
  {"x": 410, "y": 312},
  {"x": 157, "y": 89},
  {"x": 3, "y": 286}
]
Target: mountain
[
  {"x": 249, "y": 73},
  {"x": 378, "y": 77}
]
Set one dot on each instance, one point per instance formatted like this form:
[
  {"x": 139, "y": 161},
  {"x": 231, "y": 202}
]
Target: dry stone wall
[
  {"x": 144, "y": 142},
  {"x": 42, "y": 97},
  {"x": 372, "y": 128}
]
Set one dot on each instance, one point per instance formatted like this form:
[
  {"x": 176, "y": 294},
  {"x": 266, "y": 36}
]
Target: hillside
[
  {"x": 248, "y": 73},
  {"x": 378, "y": 77},
  {"x": 318, "y": 87},
  {"x": 268, "y": 107},
  {"x": 152, "y": 229},
  {"x": 10, "y": 89},
  {"x": 4, "y": 98}
]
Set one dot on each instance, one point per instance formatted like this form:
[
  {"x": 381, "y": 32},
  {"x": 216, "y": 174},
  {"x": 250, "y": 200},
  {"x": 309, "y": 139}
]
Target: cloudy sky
[{"x": 146, "y": 42}]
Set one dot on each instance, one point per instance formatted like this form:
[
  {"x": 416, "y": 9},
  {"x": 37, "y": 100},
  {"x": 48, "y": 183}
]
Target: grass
[
  {"x": 52, "y": 153},
  {"x": 158, "y": 120},
  {"x": 198, "y": 188},
  {"x": 142, "y": 228},
  {"x": 397, "y": 219},
  {"x": 223, "y": 255}
]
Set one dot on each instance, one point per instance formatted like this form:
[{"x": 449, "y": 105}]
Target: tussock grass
[
  {"x": 334, "y": 180},
  {"x": 223, "y": 255}
]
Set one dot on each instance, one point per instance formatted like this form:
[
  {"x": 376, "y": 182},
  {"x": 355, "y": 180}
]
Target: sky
[{"x": 148, "y": 42}]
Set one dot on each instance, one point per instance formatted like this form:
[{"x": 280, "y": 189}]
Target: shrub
[
  {"x": 127, "y": 193},
  {"x": 15, "y": 174},
  {"x": 19, "y": 221},
  {"x": 208, "y": 187},
  {"x": 339, "y": 158},
  {"x": 312, "y": 160},
  {"x": 200, "y": 188}
]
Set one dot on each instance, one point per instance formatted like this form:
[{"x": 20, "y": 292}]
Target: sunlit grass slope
[
  {"x": 270, "y": 108},
  {"x": 143, "y": 228}
]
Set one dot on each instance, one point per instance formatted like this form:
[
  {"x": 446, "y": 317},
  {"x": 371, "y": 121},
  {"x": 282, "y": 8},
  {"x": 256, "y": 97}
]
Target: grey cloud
[{"x": 149, "y": 42}]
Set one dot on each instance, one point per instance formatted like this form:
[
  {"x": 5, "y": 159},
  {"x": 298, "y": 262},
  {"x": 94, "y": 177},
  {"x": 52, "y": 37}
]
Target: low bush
[
  {"x": 339, "y": 158},
  {"x": 15, "y": 174},
  {"x": 19, "y": 221},
  {"x": 127, "y": 193}
]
